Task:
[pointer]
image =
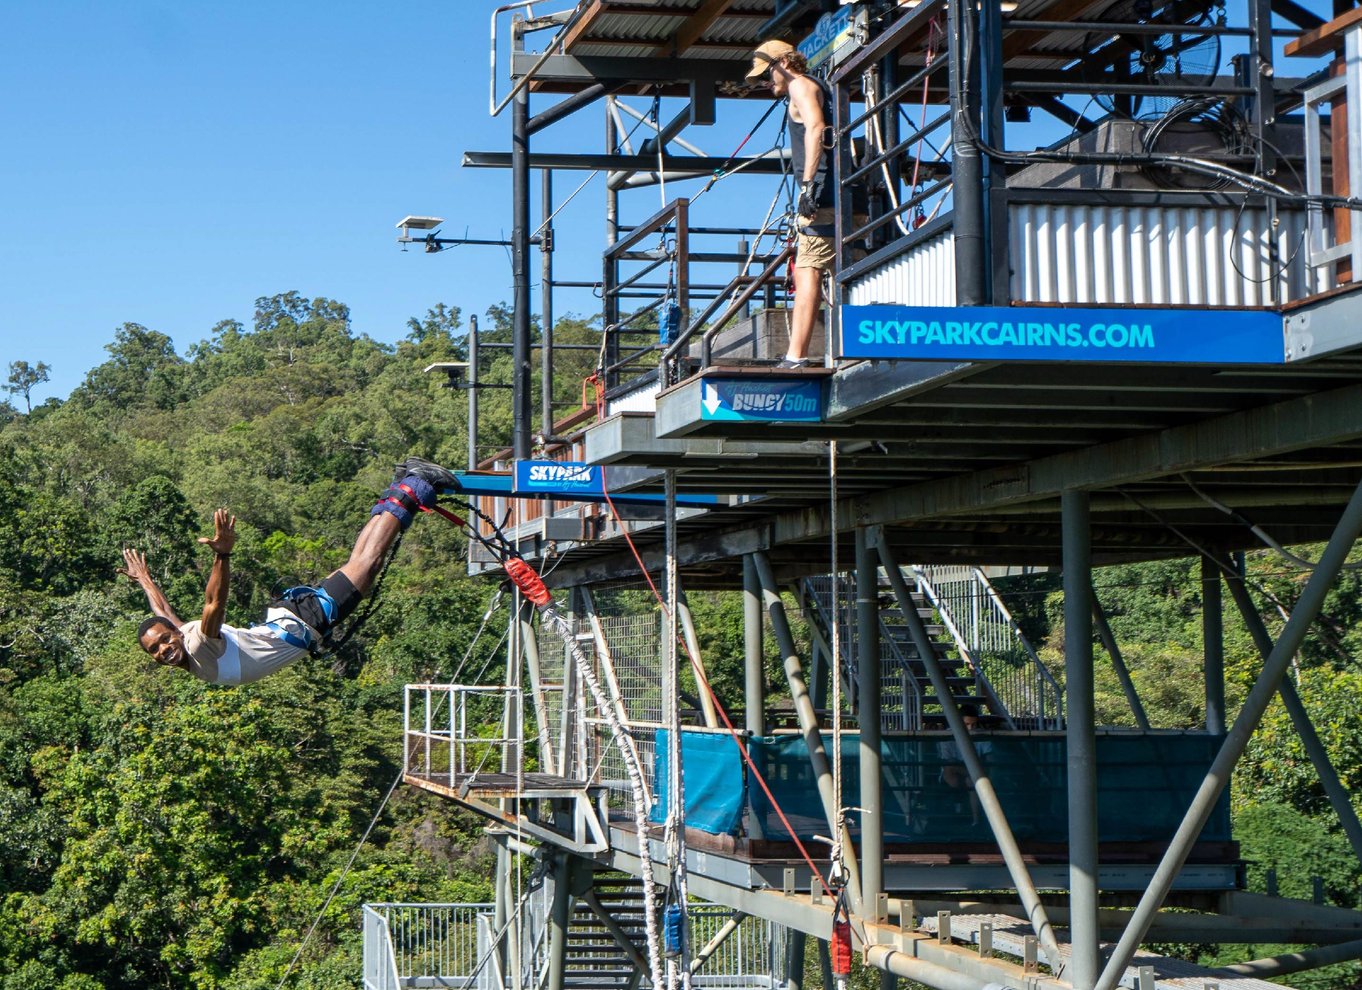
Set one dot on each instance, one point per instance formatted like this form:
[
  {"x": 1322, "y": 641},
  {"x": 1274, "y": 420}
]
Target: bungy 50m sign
[{"x": 992, "y": 333}]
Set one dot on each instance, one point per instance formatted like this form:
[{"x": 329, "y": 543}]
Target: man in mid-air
[{"x": 218, "y": 653}]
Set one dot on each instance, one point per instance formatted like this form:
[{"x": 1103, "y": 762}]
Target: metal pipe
[
  {"x": 1081, "y": 739},
  {"x": 472, "y": 395},
  {"x": 726, "y": 929},
  {"x": 697, "y": 664},
  {"x": 1295, "y": 962},
  {"x": 808, "y": 720},
  {"x": 1236, "y": 740},
  {"x": 546, "y": 305},
  {"x": 978, "y": 773},
  {"x": 868, "y": 721},
  {"x": 1118, "y": 662},
  {"x": 1213, "y": 645},
  {"x": 570, "y": 105},
  {"x": 535, "y": 668},
  {"x": 899, "y": 963},
  {"x": 520, "y": 265},
  {"x": 1338, "y": 796}
]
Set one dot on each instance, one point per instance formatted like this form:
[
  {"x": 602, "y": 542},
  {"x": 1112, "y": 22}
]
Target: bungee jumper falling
[{"x": 299, "y": 621}]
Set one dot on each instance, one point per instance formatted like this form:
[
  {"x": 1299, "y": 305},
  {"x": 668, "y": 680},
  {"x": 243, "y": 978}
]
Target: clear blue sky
[{"x": 166, "y": 163}]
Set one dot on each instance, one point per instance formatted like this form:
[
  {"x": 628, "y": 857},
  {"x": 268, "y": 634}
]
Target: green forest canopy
[{"x": 158, "y": 831}]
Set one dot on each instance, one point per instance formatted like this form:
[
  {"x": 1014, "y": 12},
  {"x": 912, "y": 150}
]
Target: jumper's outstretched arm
[
  {"x": 135, "y": 567},
  {"x": 215, "y": 596}
]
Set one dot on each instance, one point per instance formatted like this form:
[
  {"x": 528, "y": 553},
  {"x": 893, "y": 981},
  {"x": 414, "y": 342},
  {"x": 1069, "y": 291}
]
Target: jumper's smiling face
[{"x": 165, "y": 644}]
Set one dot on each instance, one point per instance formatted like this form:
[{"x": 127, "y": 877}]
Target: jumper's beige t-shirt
[{"x": 241, "y": 656}]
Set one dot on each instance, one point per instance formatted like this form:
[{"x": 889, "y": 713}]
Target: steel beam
[
  {"x": 1339, "y": 798},
  {"x": 709, "y": 948},
  {"x": 1236, "y": 740},
  {"x": 1324, "y": 418},
  {"x": 764, "y": 164},
  {"x": 808, "y": 720},
  {"x": 1118, "y": 663},
  {"x": 978, "y": 773},
  {"x": 1081, "y": 739}
]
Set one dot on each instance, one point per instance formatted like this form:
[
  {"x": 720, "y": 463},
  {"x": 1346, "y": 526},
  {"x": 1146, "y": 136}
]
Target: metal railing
[
  {"x": 989, "y": 640},
  {"x": 751, "y": 958},
  {"x": 380, "y": 961},
  {"x": 450, "y": 945},
  {"x": 1326, "y": 249},
  {"x": 456, "y": 729}
]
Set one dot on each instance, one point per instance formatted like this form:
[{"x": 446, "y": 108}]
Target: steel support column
[
  {"x": 794, "y": 959},
  {"x": 697, "y": 663},
  {"x": 1236, "y": 740},
  {"x": 868, "y": 721},
  {"x": 1081, "y": 739},
  {"x": 1213, "y": 645},
  {"x": 546, "y": 304},
  {"x": 520, "y": 274},
  {"x": 560, "y": 914},
  {"x": 1118, "y": 662},
  {"x": 754, "y": 659},
  {"x": 971, "y": 253},
  {"x": 978, "y": 773},
  {"x": 1338, "y": 796},
  {"x": 808, "y": 719}
]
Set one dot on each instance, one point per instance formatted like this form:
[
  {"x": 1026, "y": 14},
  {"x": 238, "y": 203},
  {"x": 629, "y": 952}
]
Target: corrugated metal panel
[
  {"x": 923, "y": 276},
  {"x": 1192, "y": 256}
]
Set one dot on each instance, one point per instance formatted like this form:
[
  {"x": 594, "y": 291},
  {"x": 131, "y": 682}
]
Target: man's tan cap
[{"x": 766, "y": 54}]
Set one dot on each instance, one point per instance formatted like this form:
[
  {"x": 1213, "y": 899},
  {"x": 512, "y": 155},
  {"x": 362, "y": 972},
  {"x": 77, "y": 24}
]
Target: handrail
[
  {"x": 707, "y": 341},
  {"x": 948, "y": 620}
]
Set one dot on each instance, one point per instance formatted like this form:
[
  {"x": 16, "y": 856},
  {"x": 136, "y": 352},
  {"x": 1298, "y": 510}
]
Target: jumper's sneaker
[{"x": 437, "y": 477}]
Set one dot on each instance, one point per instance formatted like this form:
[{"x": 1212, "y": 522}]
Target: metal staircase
[
  {"x": 595, "y": 959},
  {"x": 987, "y": 661}
]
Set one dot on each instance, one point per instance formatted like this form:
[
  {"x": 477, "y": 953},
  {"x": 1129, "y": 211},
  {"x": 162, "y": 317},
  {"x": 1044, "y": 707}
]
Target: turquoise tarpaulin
[{"x": 711, "y": 776}]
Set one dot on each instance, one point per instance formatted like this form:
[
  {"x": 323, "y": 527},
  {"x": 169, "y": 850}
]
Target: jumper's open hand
[
  {"x": 224, "y": 532},
  {"x": 134, "y": 566}
]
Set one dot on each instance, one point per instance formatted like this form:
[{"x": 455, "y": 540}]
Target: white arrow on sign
[{"x": 709, "y": 398}]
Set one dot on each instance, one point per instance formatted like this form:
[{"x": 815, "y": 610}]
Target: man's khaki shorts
[{"x": 812, "y": 251}]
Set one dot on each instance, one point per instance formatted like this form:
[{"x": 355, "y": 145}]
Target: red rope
[{"x": 699, "y": 673}]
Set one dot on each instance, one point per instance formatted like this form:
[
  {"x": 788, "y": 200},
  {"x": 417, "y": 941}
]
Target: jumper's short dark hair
[
  {"x": 151, "y": 623},
  {"x": 969, "y": 708}
]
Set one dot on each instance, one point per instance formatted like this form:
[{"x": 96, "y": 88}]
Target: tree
[{"x": 24, "y": 378}]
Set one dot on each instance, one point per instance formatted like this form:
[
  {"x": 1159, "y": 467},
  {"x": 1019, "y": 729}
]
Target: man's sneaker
[
  {"x": 437, "y": 477},
  {"x": 789, "y": 363}
]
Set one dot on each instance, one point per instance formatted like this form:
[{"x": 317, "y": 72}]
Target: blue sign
[
  {"x": 571, "y": 481},
  {"x": 557, "y": 478},
  {"x": 831, "y": 32},
  {"x": 770, "y": 401},
  {"x": 1054, "y": 333}
]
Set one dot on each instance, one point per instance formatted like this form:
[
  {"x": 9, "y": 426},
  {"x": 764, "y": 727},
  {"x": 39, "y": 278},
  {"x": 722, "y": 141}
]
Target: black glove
[{"x": 808, "y": 198}]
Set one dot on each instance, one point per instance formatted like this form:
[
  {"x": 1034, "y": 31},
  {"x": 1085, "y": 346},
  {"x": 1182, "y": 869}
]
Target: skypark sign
[{"x": 1053, "y": 333}]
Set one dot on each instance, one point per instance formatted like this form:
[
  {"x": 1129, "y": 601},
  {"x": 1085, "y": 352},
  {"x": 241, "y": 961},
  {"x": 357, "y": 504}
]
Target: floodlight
[{"x": 420, "y": 223}]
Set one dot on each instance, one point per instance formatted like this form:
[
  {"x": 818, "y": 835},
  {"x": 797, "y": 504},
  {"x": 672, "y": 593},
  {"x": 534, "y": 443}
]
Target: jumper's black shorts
[{"x": 310, "y": 609}]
